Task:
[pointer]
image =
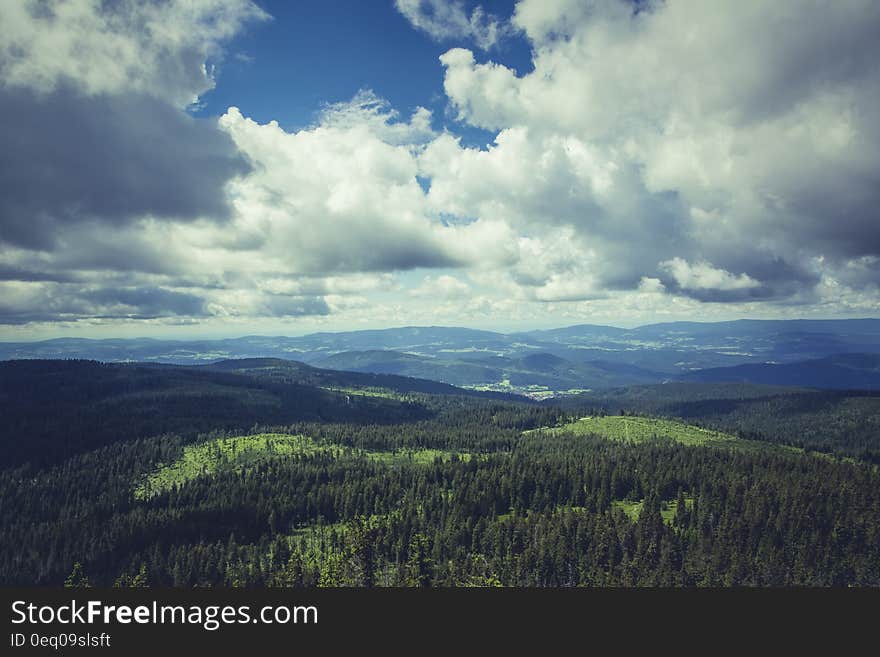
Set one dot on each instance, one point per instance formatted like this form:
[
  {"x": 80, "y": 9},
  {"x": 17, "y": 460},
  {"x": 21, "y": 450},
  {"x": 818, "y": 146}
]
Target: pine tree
[
  {"x": 77, "y": 578},
  {"x": 141, "y": 580},
  {"x": 363, "y": 532},
  {"x": 419, "y": 565}
]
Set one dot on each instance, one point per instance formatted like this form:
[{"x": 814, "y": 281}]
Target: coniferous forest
[{"x": 274, "y": 474}]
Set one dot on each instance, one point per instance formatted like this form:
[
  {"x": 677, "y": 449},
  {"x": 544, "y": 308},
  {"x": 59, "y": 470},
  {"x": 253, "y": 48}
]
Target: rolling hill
[
  {"x": 816, "y": 353},
  {"x": 841, "y": 372},
  {"x": 95, "y": 404}
]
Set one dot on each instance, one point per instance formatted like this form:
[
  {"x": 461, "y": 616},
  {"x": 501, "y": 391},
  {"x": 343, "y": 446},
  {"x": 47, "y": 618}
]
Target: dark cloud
[
  {"x": 130, "y": 249},
  {"x": 15, "y": 273},
  {"x": 67, "y": 158},
  {"x": 146, "y": 301},
  {"x": 758, "y": 293},
  {"x": 49, "y": 302},
  {"x": 860, "y": 273},
  {"x": 770, "y": 269},
  {"x": 365, "y": 249},
  {"x": 773, "y": 278},
  {"x": 839, "y": 214},
  {"x": 808, "y": 53},
  {"x": 286, "y": 306}
]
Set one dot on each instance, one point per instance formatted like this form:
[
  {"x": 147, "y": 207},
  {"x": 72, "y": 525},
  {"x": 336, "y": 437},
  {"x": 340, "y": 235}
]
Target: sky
[{"x": 194, "y": 168}]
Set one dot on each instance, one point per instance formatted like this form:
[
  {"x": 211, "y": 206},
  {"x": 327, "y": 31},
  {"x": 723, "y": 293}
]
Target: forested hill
[
  {"x": 289, "y": 371},
  {"x": 240, "y": 474},
  {"x": 843, "y": 422},
  {"x": 841, "y": 372},
  {"x": 53, "y": 409},
  {"x": 817, "y": 353}
]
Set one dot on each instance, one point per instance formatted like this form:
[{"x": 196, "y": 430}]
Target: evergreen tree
[{"x": 77, "y": 579}]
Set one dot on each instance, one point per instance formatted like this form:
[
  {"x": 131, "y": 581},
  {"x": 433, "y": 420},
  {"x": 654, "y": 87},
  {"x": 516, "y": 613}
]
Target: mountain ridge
[{"x": 539, "y": 363}]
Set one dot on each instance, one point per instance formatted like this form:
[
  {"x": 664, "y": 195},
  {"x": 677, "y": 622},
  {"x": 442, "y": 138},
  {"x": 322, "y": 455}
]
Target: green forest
[{"x": 267, "y": 474}]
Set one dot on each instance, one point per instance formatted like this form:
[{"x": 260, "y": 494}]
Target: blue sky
[
  {"x": 312, "y": 53},
  {"x": 226, "y": 167}
]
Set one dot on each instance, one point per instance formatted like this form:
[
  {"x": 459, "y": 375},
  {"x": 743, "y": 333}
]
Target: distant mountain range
[
  {"x": 815, "y": 353},
  {"x": 845, "y": 371}
]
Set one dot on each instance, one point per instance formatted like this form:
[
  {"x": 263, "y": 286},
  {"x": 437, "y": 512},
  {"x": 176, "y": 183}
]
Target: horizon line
[{"x": 446, "y": 326}]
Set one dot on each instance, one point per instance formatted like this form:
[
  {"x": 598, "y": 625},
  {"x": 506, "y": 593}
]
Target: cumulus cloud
[
  {"x": 445, "y": 20},
  {"x": 703, "y": 276},
  {"x": 560, "y": 190},
  {"x": 703, "y": 279},
  {"x": 320, "y": 217},
  {"x": 343, "y": 195},
  {"x": 127, "y": 46},
  {"x": 368, "y": 111},
  {"x": 667, "y": 141}
]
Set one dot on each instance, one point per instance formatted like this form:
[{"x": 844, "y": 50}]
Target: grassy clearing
[
  {"x": 385, "y": 393},
  {"x": 416, "y": 456},
  {"x": 315, "y": 536},
  {"x": 630, "y": 508},
  {"x": 636, "y": 429},
  {"x": 224, "y": 454},
  {"x": 501, "y": 517},
  {"x": 667, "y": 508},
  {"x": 642, "y": 429}
]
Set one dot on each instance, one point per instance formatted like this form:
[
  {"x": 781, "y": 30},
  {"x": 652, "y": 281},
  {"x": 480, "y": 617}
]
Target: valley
[
  {"x": 269, "y": 472},
  {"x": 674, "y": 455},
  {"x": 834, "y": 354}
]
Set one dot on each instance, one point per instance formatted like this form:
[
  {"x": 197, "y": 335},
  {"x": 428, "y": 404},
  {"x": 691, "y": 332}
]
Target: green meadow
[
  {"x": 668, "y": 508},
  {"x": 240, "y": 452},
  {"x": 641, "y": 429},
  {"x": 383, "y": 393}
]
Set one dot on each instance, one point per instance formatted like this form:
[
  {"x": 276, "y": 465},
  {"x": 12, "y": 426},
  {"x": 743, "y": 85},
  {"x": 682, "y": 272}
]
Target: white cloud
[
  {"x": 441, "y": 288},
  {"x": 703, "y": 276},
  {"x": 158, "y": 48},
  {"x": 540, "y": 20},
  {"x": 448, "y": 19},
  {"x": 368, "y": 111},
  {"x": 661, "y": 136},
  {"x": 324, "y": 217},
  {"x": 343, "y": 196}
]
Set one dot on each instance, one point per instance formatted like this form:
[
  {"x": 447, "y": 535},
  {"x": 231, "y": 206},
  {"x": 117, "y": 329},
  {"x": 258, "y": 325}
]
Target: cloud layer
[{"x": 660, "y": 160}]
